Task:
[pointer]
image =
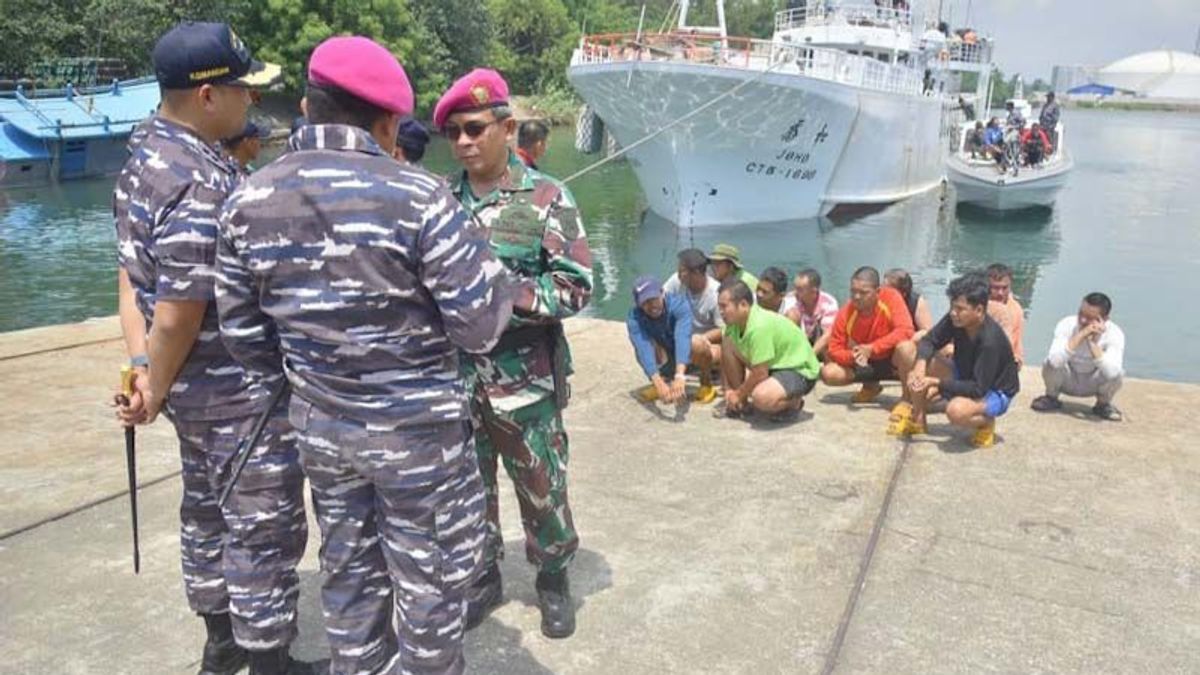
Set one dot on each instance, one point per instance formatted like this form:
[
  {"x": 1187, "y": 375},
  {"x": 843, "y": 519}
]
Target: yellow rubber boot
[
  {"x": 648, "y": 394},
  {"x": 706, "y": 393},
  {"x": 985, "y": 436}
]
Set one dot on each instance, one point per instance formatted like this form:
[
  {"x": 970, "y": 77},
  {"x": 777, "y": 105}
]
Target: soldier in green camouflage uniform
[{"x": 535, "y": 230}]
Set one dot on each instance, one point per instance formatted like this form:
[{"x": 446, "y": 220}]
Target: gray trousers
[{"x": 1063, "y": 380}]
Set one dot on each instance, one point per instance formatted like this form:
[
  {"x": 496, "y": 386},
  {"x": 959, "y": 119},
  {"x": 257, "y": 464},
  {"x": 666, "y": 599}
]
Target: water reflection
[{"x": 57, "y": 254}]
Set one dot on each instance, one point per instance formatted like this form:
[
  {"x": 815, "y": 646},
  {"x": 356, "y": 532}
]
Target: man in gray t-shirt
[{"x": 701, "y": 291}]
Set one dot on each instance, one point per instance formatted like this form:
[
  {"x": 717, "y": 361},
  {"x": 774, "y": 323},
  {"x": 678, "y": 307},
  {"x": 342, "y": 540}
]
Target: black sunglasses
[{"x": 472, "y": 129}]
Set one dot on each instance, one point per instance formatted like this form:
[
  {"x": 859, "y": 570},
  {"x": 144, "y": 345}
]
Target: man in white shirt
[
  {"x": 693, "y": 282},
  {"x": 1085, "y": 359}
]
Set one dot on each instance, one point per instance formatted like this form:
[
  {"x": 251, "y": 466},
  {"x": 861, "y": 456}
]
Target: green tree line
[{"x": 530, "y": 41}]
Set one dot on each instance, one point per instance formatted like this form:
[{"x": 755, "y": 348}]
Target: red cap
[
  {"x": 481, "y": 88},
  {"x": 364, "y": 68}
]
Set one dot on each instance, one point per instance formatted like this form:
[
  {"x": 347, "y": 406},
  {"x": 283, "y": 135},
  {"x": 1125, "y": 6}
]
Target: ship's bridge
[
  {"x": 884, "y": 30},
  {"x": 875, "y": 30}
]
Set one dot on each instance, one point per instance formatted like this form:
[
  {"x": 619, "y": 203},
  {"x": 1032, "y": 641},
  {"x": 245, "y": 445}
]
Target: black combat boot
[
  {"x": 554, "y": 599},
  {"x": 278, "y": 662},
  {"x": 483, "y": 595},
  {"x": 222, "y": 656}
]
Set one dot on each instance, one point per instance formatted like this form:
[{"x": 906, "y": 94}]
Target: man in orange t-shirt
[
  {"x": 1004, "y": 308},
  {"x": 871, "y": 338}
]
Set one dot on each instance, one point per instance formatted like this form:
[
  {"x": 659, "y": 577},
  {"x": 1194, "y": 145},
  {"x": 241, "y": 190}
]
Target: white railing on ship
[
  {"x": 744, "y": 53},
  {"x": 970, "y": 52},
  {"x": 868, "y": 14}
]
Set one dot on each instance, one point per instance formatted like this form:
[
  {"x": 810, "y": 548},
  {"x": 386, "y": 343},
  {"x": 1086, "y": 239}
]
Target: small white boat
[{"x": 980, "y": 180}]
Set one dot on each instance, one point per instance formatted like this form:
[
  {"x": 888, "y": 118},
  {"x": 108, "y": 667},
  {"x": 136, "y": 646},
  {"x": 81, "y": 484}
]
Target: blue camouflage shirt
[
  {"x": 166, "y": 203},
  {"x": 362, "y": 276}
]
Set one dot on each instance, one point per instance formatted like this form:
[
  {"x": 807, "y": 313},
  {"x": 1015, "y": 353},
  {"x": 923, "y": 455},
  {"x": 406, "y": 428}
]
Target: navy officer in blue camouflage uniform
[
  {"x": 239, "y": 563},
  {"x": 364, "y": 277}
]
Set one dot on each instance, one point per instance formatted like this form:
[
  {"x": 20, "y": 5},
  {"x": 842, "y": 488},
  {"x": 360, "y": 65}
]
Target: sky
[{"x": 1033, "y": 36}]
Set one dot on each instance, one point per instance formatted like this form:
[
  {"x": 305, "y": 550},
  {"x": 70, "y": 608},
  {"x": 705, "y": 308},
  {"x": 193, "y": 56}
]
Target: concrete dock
[{"x": 708, "y": 546}]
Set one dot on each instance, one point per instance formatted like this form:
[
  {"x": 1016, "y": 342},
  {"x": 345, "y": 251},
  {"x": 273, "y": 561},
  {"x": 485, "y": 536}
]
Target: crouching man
[
  {"x": 660, "y": 329},
  {"x": 983, "y": 378},
  {"x": 766, "y": 359}
]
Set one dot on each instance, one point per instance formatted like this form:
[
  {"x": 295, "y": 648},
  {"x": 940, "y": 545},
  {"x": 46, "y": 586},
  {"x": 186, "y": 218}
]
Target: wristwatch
[{"x": 139, "y": 361}]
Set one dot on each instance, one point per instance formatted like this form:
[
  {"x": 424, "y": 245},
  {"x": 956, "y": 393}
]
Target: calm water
[{"x": 1126, "y": 224}]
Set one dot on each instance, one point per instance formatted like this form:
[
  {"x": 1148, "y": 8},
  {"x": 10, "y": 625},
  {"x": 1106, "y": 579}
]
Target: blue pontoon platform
[{"x": 69, "y": 134}]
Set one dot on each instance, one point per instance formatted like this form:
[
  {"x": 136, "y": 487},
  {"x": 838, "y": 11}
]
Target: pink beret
[
  {"x": 478, "y": 89},
  {"x": 364, "y": 68}
]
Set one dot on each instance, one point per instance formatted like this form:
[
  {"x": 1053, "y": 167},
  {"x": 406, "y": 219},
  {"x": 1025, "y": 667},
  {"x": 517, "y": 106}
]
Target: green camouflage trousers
[{"x": 533, "y": 443}]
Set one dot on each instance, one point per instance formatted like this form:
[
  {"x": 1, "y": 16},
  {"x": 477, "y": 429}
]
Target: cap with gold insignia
[
  {"x": 194, "y": 53},
  {"x": 479, "y": 89}
]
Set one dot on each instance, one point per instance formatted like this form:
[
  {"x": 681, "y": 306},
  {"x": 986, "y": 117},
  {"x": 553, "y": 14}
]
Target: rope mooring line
[{"x": 679, "y": 120}]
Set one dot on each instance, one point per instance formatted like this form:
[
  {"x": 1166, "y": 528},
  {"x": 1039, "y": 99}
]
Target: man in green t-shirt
[{"x": 766, "y": 359}]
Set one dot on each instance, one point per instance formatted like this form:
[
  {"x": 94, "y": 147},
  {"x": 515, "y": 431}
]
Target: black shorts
[
  {"x": 794, "y": 384},
  {"x": 876, "y": 371}
]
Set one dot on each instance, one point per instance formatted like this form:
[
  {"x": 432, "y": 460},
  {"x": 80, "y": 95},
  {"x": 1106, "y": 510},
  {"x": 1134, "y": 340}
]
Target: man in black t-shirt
[{"x": 982, "y": 379}]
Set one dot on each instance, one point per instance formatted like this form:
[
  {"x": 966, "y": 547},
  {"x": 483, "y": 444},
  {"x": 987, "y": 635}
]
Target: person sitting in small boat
[
  {"x": 1085, "y": 359},
  {"x": 1035, "y": 144},
  {"x": 660, "y": 329},
  {"x": 245, "y": 147},
  {"x": 1014, "y": 120},
  {"x": 1049, "y": 120},
  {"x": 766, "y": 361},
  {"x": 812, "y": 309},
  {"x": 993, "y": 141},
  {"x": 772, "y": 289},
  {"x": 980, "y": 381},
  {"x": 726, "y": 261},
  {"x": 975, "y": 143},
  {"x": 866, "y": 334}
]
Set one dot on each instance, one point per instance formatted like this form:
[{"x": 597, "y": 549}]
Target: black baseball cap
[{"x": 195, "y": 53}]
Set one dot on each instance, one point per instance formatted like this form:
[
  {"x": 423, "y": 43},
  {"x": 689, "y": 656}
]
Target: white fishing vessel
[
  {"x": 1016, "y": 182},
  {"x": 846, "y": 105}
]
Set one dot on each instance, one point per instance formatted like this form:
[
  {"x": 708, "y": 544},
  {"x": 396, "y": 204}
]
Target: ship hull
[{"x": 780, "y": 147}]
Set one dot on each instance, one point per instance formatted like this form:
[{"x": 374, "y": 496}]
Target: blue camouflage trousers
[
  {"x": 242, "y": 559},
  {"x": 401, "y": 513}
]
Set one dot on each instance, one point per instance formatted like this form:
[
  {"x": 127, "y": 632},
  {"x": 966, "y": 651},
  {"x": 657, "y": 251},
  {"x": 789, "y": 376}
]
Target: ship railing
[
  {"x": 32, "y": 93},
  {"x": 866, "y": 14},
  {"x": 978, "y": 52},
  {"x": 750, "y": 54}
]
